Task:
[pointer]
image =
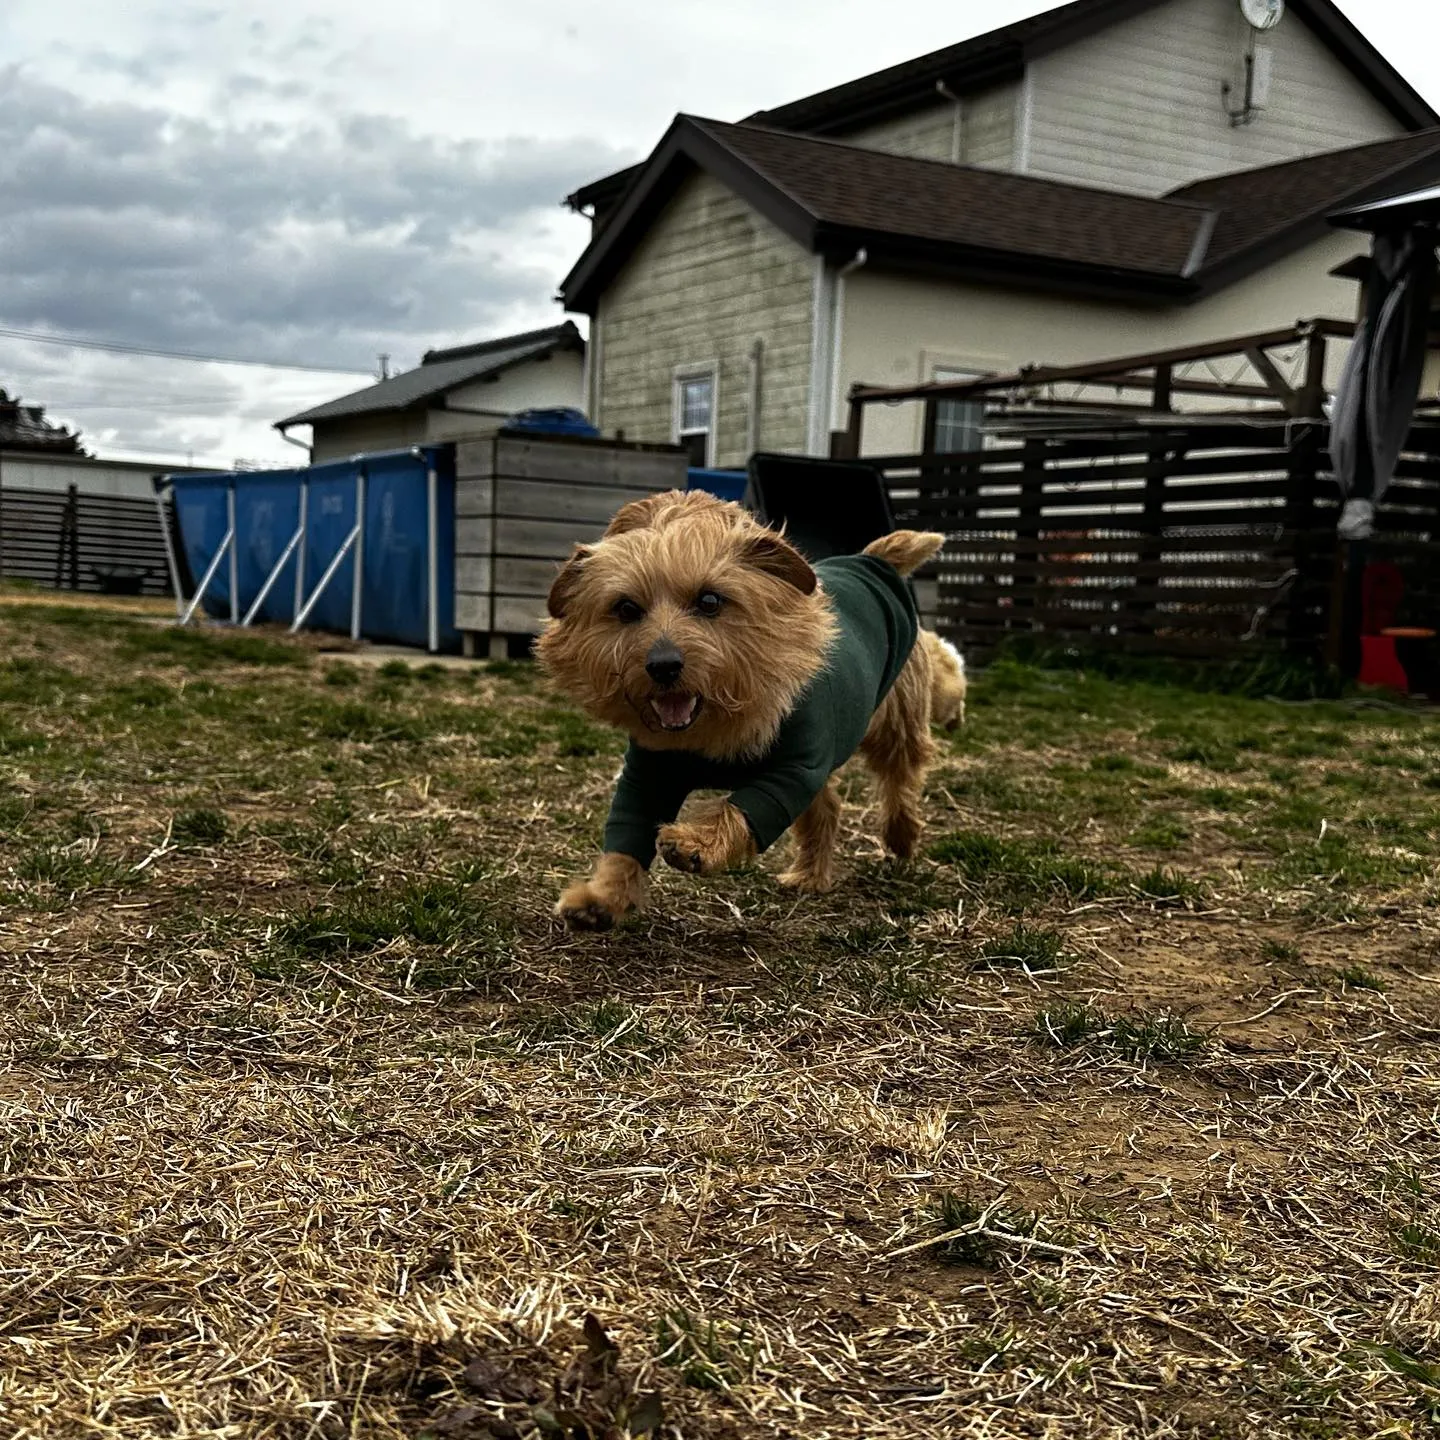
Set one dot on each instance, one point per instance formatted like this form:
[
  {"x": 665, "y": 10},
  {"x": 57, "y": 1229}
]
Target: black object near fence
[
  {"x": 109, "y": 544},
  {"x": 1184, "y": 538}
]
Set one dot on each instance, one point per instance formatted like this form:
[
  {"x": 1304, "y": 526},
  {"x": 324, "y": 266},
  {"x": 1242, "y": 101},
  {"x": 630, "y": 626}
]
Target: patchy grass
[{"x": 314, "y": 1125}]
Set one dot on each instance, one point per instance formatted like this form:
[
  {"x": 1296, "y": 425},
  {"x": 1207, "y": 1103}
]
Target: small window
[
  {"x": 959, "y": 424},
  {"x": 695, "y": 417}
]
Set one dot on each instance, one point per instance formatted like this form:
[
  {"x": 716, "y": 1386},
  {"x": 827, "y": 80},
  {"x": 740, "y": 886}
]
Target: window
[
  {"x": 695, "y": 415},
  {"x": 958, "y": 423}
]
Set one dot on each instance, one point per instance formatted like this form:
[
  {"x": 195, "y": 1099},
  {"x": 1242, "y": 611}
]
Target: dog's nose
[{"x": 664, "y": 662}]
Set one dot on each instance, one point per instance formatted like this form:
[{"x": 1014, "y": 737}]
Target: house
[
  {"x": 1108, "y": 178},
  {"x": 468, "y": 390}
]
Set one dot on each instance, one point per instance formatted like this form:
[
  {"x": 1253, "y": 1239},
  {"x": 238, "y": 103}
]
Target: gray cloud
[{"x": 323, "y": 241}]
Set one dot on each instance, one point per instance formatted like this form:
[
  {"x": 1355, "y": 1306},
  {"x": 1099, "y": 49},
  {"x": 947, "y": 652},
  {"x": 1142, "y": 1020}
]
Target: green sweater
[{"x": 877, "y": 631}]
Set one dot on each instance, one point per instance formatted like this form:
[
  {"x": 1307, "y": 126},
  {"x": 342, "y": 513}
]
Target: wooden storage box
[{"x": 522, "y": 501}]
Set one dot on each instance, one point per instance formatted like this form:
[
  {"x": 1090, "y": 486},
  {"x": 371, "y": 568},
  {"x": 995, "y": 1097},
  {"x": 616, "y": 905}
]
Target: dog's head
[{"x": 688, "y": 624}]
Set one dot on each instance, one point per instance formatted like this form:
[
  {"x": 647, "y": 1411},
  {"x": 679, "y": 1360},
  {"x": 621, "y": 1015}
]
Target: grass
[{"x": 316, "y": 1126}]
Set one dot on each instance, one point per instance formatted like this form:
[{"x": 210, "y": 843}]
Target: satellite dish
[{"x": 1262, "y": 14}]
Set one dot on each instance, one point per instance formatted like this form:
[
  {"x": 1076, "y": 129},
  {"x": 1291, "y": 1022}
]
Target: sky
[{"x": 320, "y": 182}]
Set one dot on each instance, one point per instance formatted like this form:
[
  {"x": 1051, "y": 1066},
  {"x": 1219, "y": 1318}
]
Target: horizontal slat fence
[
  {"x": 1198, "y": 540},
  {"x": 73, "y": 541}
]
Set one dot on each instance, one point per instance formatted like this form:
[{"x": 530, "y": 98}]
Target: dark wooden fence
[
  {"x": 1197, "y": 539},
  {"x": 71, "y": 541}
]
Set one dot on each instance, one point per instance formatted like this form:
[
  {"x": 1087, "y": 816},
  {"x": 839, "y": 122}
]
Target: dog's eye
[
  {"x": 627, "y": 612},
  {"x": 709, "y": 604}
]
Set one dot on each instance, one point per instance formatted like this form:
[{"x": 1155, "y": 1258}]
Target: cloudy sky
[{"x": 319, "y": 182}]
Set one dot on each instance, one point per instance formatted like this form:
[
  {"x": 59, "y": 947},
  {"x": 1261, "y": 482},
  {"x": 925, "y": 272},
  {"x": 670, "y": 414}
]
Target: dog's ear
[
  {"x": 771, "y": 554},
  {"x": 641, "y": 514},
  {"x": 567, "y": 582}
]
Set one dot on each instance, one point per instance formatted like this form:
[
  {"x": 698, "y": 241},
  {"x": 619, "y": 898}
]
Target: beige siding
[
  {"x": 987, "y": 131},
  {"x": 927, "y": 134},
  {"x": 710, "y": 277},
  {"x": 898, "y": 331},
  {"x": 361, "y": 434},
  {"x": 1138, "y": 106},
  {"x": 537, "y": 384}
]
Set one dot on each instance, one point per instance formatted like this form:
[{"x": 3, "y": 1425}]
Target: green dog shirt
[{"x": 877, "y": 630}]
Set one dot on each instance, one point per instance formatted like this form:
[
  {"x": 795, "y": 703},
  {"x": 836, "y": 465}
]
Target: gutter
[{"x": 837, "y": 328}]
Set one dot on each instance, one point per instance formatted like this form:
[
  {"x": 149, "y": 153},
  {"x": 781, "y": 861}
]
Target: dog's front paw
[
  {"x": 687, "y": 848},
  {"x": 582, "y": 907}
]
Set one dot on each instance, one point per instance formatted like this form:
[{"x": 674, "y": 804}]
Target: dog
[
  {"x": 948, "y": 681},
  {"x": 734, "y": 664}
]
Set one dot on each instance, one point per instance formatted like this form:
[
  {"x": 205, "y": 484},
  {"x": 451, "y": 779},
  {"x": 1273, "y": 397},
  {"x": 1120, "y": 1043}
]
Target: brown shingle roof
[
  {"x": 959, "y": 205},
  {"x": 1257, "y": 205},
  {"x": 833, "y": 198}
]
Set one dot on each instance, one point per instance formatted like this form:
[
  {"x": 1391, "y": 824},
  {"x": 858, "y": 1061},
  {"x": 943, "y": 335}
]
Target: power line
[{"x": 116, "y": 347}]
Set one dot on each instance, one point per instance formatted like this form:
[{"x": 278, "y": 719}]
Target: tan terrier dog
[{"x": 733, "y": 664}]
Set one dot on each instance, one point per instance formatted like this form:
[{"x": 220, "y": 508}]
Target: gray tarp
[{"x": 1375, "y": 403}]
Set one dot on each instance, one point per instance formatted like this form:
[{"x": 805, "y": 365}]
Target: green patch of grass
[
  {"x": 61, "y": 873},
  {"x": 202, "y": 826},
  {"x": 341, "y": 676},
  {"x": 1067, "y": 1024},
  {"x": 358, "y": 721},
  {"x": 203, "y": 649},
  {"x": 1166, "y": 887},
  {"x": 957, "y": 1212},
  {"x": 1280, "y": 950},
  {"x": 1026, "y": 947},
  {"x": 25, "y": 680},
  {"x": 1163, "y": 1037},
  {"x": 1356, "y": 977},
  {"x": 1160, "y": 832},
  {"x": 710, "y": 1355},
  {"x": 441, "y": 912},
  {"x": 1020, "y": 871}
]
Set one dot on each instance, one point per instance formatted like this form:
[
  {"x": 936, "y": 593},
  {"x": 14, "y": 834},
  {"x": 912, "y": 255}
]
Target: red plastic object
[{"x": 1380, "y": 665}]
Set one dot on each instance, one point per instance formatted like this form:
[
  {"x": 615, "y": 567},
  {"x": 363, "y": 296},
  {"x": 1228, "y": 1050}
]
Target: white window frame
[{"x": 683, "y": 374}]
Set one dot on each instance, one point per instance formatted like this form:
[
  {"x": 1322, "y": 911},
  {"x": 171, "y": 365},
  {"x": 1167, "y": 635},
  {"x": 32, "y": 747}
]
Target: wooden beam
[{"x": 1270, "y": 373}]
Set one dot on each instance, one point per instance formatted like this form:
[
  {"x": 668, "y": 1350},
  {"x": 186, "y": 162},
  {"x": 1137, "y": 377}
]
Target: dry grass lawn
[{"x": 1114, "y": 1116}]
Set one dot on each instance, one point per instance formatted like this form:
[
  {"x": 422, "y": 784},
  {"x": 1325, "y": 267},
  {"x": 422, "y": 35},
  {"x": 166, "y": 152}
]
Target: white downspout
[
  {"x": 837, "y": 335},
  {"x": 944, "y": 90},
  {"x": 821, "y": 313}
]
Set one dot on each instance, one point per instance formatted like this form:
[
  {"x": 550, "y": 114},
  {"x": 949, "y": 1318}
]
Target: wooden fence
[
  {"x": 1193, "y": 539},
  {"x": 70, "y": 541}
]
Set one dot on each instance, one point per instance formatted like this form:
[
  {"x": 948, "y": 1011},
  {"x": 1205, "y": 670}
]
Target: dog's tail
[
  {"x": 906, "y": 550},
  {"x": 947, "y": 681}
]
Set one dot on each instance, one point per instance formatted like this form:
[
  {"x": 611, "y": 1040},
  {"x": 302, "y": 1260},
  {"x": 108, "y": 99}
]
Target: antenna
[{"x": 384, "y": 366}]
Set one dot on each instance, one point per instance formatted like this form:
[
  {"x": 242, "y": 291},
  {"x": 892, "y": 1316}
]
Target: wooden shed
[{"x": 522, "y": 501}]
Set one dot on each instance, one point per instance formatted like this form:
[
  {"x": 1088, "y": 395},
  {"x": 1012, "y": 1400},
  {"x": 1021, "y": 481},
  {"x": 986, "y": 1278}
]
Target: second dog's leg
[
  {"x": 614, "y": 889},
  {"x": 717, "y": 838},
  {"x": 813, "y": 867}
]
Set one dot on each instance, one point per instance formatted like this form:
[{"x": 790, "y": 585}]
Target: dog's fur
[{"x": 749, "y": 665}]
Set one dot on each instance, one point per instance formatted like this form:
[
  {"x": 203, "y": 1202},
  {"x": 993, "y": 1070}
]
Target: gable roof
[
  {"x": 443, "y": 370},
  {"x": 1001, "y": 55},
  {"x": 834, "y": 199}
]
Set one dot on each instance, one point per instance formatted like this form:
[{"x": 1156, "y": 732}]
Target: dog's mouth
[{"x": 675, "y": 710}]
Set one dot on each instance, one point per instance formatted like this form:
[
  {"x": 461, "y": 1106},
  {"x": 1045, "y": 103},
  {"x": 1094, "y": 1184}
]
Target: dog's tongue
[{"x": 675, "y": 711}]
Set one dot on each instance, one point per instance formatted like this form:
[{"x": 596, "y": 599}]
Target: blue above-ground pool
[{"x": 396, "y": 586}]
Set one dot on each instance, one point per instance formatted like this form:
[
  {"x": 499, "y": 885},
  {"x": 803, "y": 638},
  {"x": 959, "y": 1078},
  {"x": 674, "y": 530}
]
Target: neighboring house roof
[
  {"x": 835, "y": 198},
  {"x": 1001, "y": 55},
  {"x": 443, "y": 370}
]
